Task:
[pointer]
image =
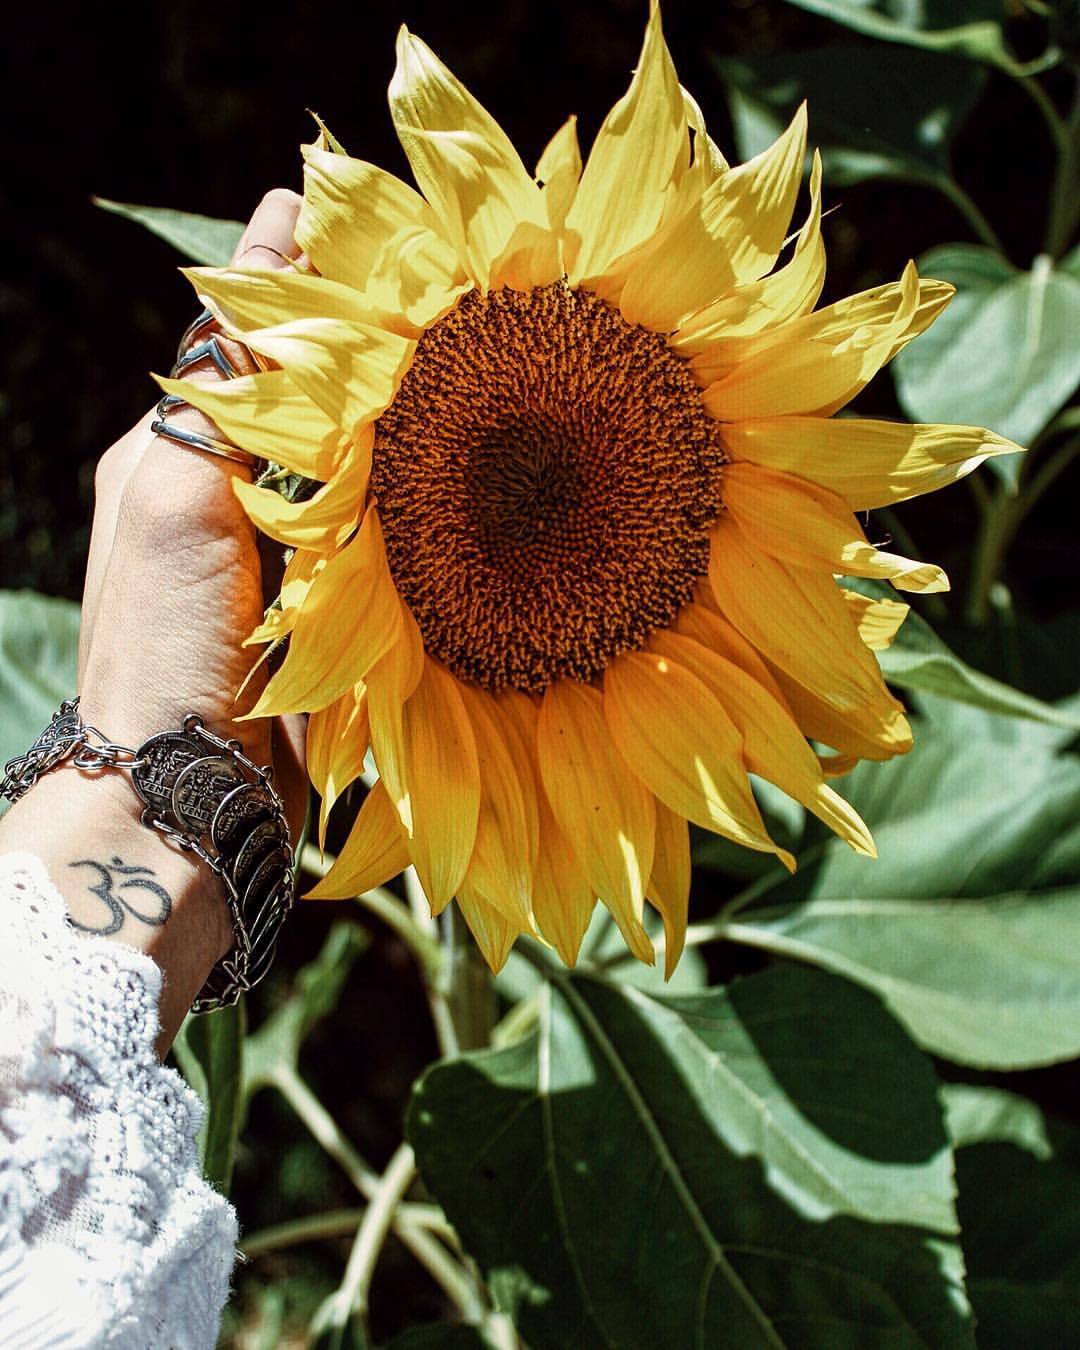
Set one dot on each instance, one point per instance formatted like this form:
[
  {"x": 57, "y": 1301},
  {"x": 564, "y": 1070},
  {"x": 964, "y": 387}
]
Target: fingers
[
  {"x": 114, "y": 469},
  {"x": 268, "y": 239},
  {"x": 267, "y": 242}
]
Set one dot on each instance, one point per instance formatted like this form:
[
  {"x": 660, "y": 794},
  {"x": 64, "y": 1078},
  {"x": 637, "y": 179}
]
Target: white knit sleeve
[{"x": 108, "y": 1234}]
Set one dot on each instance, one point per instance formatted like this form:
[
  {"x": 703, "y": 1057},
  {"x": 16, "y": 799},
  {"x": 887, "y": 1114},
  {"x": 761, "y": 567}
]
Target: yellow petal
[
  {"x": 493, "y": 932},
  {"x": 773, "y": 746},
  {"x": 269, "y": 416},
  {"x": 317, "y": 331},
  {"x": 390, "y": 683},
  {"x": 605, "y": 811},
  {"x": 337, "y": 742},
  {"x": 349, "y": 370},
  {"x": 501, "y": 866},
  {"x": 734, "y": 234},
  {"x": 876, "y": 729},
  {"x": 325, "y": 520},
  {"x": 374, "y": 852},
  {"x": 440, "y": 771},
  {"x": 752, "y": 306},
  {"x": 245, "y": 300},
  {"x": 798, "y": 621},
  {"x": 870, "y": 464},
  {"x": 704, "y": 624},
  {"x": 558, "y": 171},
  {"x": 637, "y": 153},
  {"x": 681, "y": 743},
  {"x": 878, "y": 621},
  {"x": 466, "y": 166},
  {"x": 365, "y": 228},
  {"x": 300, "y": 572},
  {"x": 327, "y": 656},
  {"x": 563, "y": 900},
  {"x": 706, "y": 161},
  {"x": 817, "y": 363},
  {"x": 810, "y": 526},
  {"x": 669, "y": 885}
]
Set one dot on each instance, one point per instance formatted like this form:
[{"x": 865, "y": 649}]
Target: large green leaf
[
  {"x": 1003, "y": 354},
  {"x": 951, "y": 971},
  {"x": 210, "y": 1049},
  {"x": 201, "y": 239},
  {"x": 893, "y": 114},
  {"x": 709, "y": 1149},
  {"x": 971, "y": 28},
  {"x": 968, "y": 923},
  {"x": 1019, "y": 1202},
  {"x": 39, "y": 652}
]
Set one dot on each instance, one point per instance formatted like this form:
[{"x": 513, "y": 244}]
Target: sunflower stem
[
  {"x": 440, "y": 1264},
  {"x": 466, "y": 984},
  {"x": 970, "y": 209},
  {"x": 351, "y": 1299},
  {"x": 1064, "y": 209},
  {"x": 998, "y": 528}
]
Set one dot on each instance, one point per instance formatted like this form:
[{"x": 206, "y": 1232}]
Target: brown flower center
[{"x": 546, "y": 477}]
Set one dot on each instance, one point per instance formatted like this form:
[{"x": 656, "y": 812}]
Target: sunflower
[{"x": 571, "y": 572}]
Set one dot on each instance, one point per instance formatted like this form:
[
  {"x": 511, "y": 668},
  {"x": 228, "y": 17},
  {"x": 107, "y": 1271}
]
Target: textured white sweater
[{"x": 108, "y": 1234}]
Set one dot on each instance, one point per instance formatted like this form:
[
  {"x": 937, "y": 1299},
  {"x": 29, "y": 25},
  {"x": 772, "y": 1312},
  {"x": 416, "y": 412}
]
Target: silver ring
[{"x": 194, "y": 348}]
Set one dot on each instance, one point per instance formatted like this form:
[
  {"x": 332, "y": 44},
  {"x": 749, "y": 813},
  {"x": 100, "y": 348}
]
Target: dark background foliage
[
  {"x": 179, "y": 105},
  {"x": 203, "y": 108}
]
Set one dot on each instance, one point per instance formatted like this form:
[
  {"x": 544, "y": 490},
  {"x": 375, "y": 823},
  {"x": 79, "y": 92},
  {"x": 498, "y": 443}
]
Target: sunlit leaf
[
  {"x": 968, "y": 923},
  {"x": 712, "y": 1149},
  {"x": 893, "y": 114},
  {"x": 201, "y": 239},
  {"x": 39, "y": 652},
  {"x": 1019, "y": 1182},
  {"x": 1003, "y": 354},
  {"x": 971, "y": 28}
]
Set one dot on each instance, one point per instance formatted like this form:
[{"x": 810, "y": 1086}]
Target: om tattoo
[{"x": 116, "y": 882}]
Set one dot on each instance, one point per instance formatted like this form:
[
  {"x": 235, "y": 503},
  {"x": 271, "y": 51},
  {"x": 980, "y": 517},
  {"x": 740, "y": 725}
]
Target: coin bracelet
[{"x": 206, "y": 797}]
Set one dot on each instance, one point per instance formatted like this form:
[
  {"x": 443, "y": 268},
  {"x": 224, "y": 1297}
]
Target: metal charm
[{"x": 205, "y": 796}]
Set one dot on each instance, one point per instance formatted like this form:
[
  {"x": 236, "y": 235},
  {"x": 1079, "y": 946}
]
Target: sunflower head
[{"x": 570, "y": 574}]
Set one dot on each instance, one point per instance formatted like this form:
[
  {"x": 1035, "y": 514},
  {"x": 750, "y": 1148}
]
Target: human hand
[{"x": 173, "y": 586}]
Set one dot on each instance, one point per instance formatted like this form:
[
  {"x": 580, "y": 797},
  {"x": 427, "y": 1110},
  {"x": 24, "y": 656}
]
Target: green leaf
[
  {"x": 39, "y": 652},
  {"x": 950, "y": 971},
  {"x": 970, "y": 28},
  {"x": 1003, "y": 354},
  {"x": 276, "y": 1044},
  {"x": 710, "y": 1148},
  {"x": 919, "y": 660},
  {"x": 892, "y": 115},
  {"x": 968, "y": 923},
  {"x": 1019, "y": 1202},
  {"x": 215, "y": 1043},
  {"x": 201, "y": 239}
]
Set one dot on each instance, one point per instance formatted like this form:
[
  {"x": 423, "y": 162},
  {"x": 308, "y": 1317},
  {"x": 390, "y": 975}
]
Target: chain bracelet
[{"x": 204, "y": 796}]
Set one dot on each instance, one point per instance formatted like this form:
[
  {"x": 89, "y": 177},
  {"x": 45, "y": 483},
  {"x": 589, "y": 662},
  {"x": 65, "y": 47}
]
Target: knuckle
[{"x": 280, "y": 196}]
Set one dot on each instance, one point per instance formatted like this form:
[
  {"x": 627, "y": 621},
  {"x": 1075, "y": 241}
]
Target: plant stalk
[{"x": 467, "y": 984}]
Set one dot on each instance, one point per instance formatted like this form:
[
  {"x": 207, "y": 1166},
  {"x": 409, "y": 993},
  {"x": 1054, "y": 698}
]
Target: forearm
[{"x": 123, "y": 881}]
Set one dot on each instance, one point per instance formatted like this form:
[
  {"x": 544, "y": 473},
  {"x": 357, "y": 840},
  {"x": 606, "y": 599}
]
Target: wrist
[{"x": 123, "y": 881}]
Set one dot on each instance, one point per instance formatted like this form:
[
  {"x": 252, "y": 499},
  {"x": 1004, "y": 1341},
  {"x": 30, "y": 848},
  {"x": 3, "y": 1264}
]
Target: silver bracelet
[{"x": 206, "y": 797}]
